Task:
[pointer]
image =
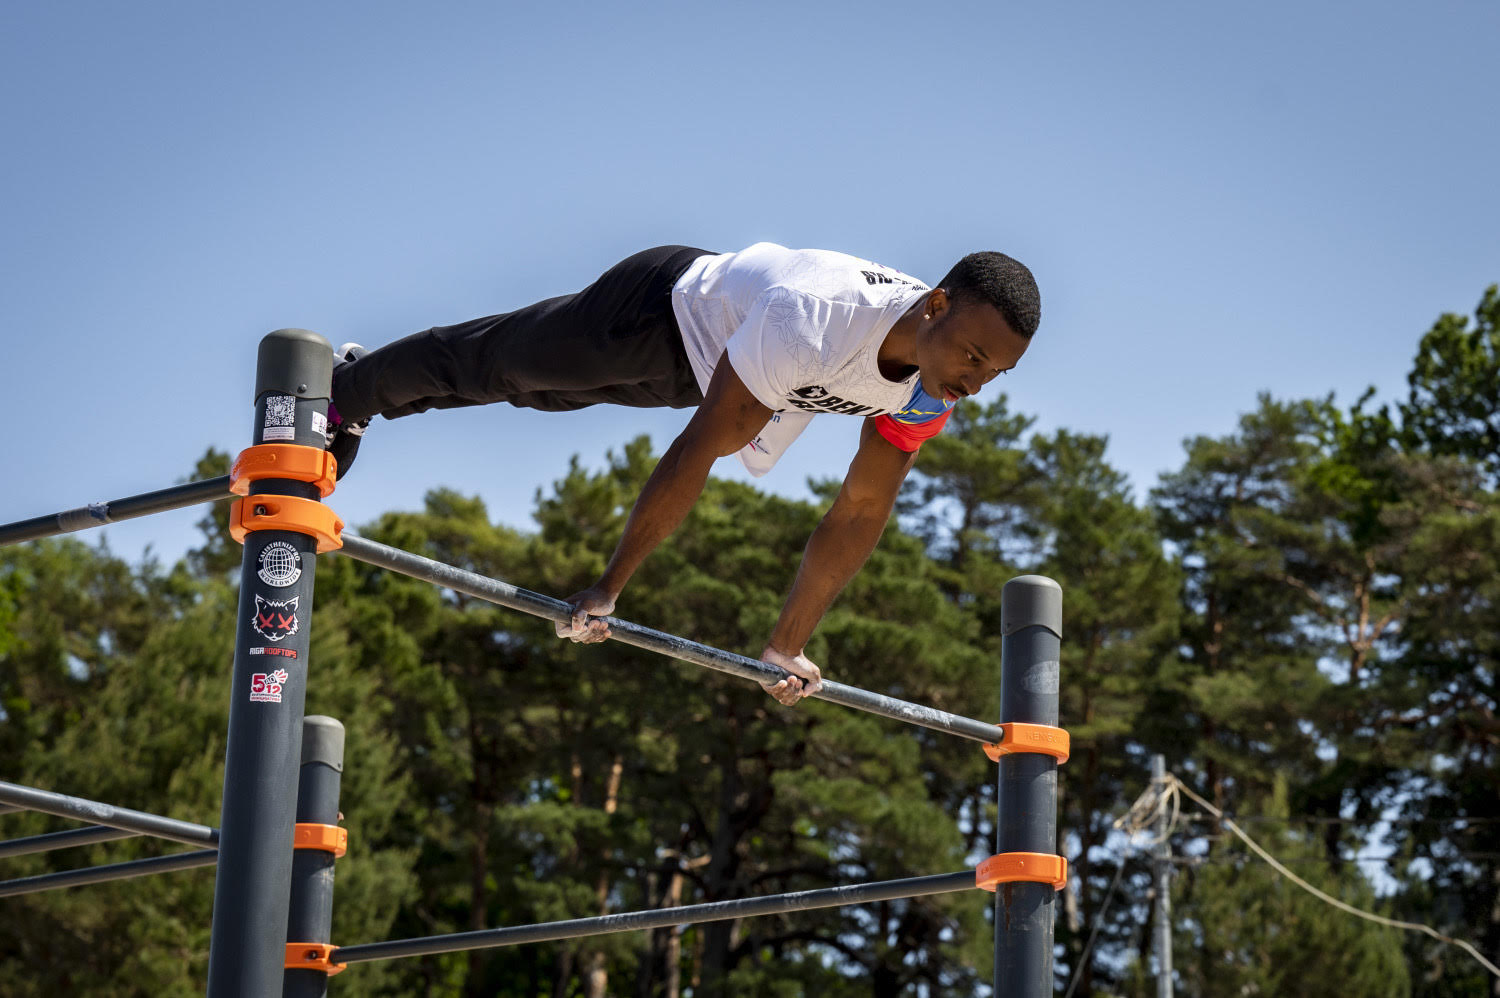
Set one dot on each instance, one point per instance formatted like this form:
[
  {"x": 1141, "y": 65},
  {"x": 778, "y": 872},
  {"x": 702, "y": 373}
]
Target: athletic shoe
[{"x": 343, "y": 435}]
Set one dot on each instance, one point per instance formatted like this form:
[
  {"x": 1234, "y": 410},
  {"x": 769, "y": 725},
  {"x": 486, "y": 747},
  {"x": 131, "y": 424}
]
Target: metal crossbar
[
  {"x": 505, "y": 594},
  {"x": 47, "y": 802},
  {"x": 715, "y": 911},
  {"x": 97, "y": 514},
  {"x": 114, "y": 871},
  {"x": 63, "y": 840}
]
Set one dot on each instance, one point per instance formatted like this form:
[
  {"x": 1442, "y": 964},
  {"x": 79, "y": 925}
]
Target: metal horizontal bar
[
  {"x": 62, "y": 840},
  {"x": 10, "y": 809},
  {"x": 97, "y": 514},
  {"x": 505, "y": 594},
  {"x": 715, "y": 911},
  {"x": 115, "y": 871},
  {"x": 64, "y": 806}
]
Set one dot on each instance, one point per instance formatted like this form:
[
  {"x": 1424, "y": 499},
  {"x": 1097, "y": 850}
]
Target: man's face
[{"x": 963, "y": 346}]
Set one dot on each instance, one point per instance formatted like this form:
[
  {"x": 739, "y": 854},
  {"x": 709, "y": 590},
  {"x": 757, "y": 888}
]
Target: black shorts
[{"x": 615, "y": 341}]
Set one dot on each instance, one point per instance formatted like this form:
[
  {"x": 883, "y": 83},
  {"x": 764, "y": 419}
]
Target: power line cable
[
  {"x": 1325, "y": 820},
  {"x": 1143, "y": 813},
  {"x": 1329, "y": 861},
  {"x": 1178, "y": 786}
]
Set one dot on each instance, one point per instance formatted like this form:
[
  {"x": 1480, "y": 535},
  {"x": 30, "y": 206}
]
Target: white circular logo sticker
[{"x": 280, "y": 564}]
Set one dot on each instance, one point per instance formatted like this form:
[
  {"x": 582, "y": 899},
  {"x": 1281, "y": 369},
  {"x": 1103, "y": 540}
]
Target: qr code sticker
[{"x": 281, "y": 410}]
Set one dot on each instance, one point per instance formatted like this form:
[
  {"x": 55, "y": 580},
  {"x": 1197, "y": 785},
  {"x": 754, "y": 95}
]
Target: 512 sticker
[{"x": 265, "y": 687}]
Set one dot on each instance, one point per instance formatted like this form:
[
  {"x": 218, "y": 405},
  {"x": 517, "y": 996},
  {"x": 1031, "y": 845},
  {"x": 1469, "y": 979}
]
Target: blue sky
[{"x": 1217, "y": 200}]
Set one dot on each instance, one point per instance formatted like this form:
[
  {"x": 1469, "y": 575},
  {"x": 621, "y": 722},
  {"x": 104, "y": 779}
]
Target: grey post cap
[
  {"x": 323, "y": 741},
  {"x": 294, "y": 362},
  {"x": 1031, "y": 601}
]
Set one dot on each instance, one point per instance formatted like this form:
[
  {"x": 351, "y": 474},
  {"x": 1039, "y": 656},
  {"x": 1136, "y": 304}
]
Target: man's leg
[{"x": 615, "y": 341}]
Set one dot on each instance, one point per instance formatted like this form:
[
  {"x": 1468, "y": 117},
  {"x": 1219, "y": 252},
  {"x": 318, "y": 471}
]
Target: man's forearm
[
  {"x": 838, "y": 547},
  {"x": 664, "y": 502}
]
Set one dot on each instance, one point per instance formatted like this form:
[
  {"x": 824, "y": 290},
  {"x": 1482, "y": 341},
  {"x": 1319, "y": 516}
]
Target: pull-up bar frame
[{"x": 251, "y": 890}]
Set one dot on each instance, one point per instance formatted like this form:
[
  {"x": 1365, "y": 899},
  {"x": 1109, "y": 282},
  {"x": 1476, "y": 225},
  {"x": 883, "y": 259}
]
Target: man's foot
[{"x": 344, "y": 435}]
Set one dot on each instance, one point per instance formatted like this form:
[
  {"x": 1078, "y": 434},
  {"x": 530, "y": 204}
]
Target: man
[{"x": 760, "y": 341}]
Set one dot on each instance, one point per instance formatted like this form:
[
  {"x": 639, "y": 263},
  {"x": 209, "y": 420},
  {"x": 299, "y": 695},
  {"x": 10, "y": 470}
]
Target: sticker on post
[
  {"x": 265, "y": 687},
  {"x": 320, "y": 424},
  {"x": 275, "y": 620},
  {"x": 281, "y": 418},
  {"x": 277, "y": 652},
  {"x": 279, "y": 564}
]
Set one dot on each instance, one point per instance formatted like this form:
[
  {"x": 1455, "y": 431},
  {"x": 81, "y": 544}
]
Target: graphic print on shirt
[
  {"x": 920, "y": 408},
  {"x": 888, "y": 276},
  {"x": 787, "y": 316},
  {"x": 816, "y": 398}
]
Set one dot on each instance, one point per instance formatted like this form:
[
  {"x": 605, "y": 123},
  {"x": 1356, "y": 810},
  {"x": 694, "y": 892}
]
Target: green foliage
[{"x": 1453, "y": 408}]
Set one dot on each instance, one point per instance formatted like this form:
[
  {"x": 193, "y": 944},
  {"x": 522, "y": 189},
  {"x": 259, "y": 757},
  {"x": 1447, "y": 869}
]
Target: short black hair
[{"x": 1001, "y": 281}]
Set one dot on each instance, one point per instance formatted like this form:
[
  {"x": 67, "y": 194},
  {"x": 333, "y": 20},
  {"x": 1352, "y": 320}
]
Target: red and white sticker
[
  {"x": 265, "y": 687},
  {"x": 277, "y": 652},
  {"x": 275, "y": 619}
]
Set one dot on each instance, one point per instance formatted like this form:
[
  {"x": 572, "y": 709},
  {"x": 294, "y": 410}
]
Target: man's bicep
[
  {"x": 877, "y": 471},
  {"x": 729, "y": 416}
]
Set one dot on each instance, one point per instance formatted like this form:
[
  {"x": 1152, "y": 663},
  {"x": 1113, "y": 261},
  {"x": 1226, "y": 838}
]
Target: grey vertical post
[
  {"x": 247, "y": 946},
  {"x": 1162, "y": 930},
  {"x": 1031, "y": 640},
  {"x": 310, "y": 918}
]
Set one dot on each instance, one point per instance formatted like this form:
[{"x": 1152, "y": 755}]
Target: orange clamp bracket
[
  {"x": 1031, "y": 867},
  {"x": 1043, "y": 739},
  {"x": 303, "y": 516},
  {"x": 328, "y": 838},
  {"x": 313, "y": 956},
  {"x": 292, "y": 461}
]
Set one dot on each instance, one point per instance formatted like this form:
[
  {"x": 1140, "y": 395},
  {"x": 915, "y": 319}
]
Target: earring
[{"x": 927, "y": 316}]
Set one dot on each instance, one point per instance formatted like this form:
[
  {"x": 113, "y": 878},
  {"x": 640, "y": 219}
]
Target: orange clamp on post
[
  {"x": 1042, "y": 739},
  {"x": 303, "y": 516},
  {"x": 328, "y": 838},
  {"x": 313, "y": 956},
  {"x": 296, "y": 462},
  {"x": 1032, "y": 867}
]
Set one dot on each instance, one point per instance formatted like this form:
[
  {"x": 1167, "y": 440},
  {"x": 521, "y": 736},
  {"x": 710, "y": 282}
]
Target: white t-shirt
[{"x": 802, "y": 329}]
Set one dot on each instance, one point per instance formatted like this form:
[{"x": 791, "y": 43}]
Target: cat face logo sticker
[{"x": 275, "y": 620}]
